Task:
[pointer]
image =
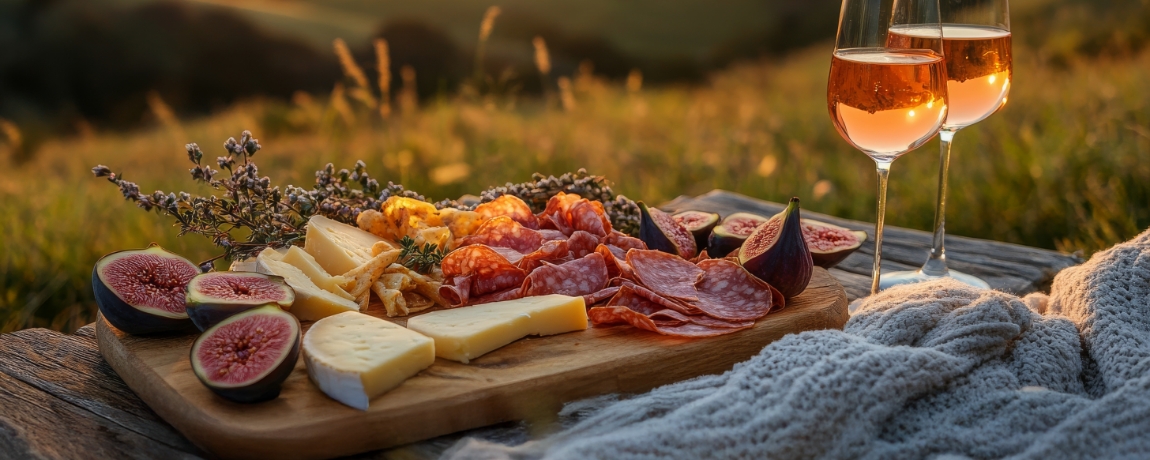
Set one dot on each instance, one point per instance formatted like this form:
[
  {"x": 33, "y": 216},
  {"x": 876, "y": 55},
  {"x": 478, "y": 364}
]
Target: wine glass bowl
[{"x": 884, "y": 100}]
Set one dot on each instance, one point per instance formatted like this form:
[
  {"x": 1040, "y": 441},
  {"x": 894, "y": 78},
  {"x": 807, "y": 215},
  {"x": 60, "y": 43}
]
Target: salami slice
[
  {"x": 513, "y": 257},
  {"x": 582, "y": 243},
  {"x": 509, "y": 206},
  {"x": 555, "y": 216},
  {"x": 696, "y": 330},
  {"x": 457, "y": 291},
  {"x": 610, "y": 315},
  {"x": 554, "y": 251},
  {"x": 576, "y": 278},
  {"x": 600, "y": 296},
  {"x": 663, "y": 302},
  {"x": 669, "y": 318},
  {"x": 627, "y": 297},
  {"x": 621, "y": 240},
  {"x": 587, "y": 217},
  {"x": 729, "y": 293},
  {"x": 620, "y": 315},
  {"x": 551, "y": 234},
  {"x": 701, "y": 257},
  {"x": 489, "y": 271},
  {"x": 666, "y": 274},
  {"x": 504, "y": 232},
  {"x": 506, "y": 294}
]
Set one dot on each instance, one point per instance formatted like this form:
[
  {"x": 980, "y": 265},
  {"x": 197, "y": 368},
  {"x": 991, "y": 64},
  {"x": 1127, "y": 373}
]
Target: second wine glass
[
  {"x": 886, "y": 101},
  {"x": 976, "y": 42}
]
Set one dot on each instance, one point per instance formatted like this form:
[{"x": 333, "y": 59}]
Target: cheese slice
[
  {"x": 311, "y": 302},
  {"x": 249, "y": 264},
  {"x": 306, "y": 263},
  {"x": 463, "y": 334},
  {"x": 338, "y": 247},
  {"x": 353, "y": 357}
]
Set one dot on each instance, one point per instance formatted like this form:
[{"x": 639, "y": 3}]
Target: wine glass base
[{"x": 917, "y": 276}]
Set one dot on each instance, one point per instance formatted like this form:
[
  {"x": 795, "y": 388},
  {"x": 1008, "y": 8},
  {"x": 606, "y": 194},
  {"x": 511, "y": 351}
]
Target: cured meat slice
[
  {"x": 666, "y": 274},
  {"x": 582, "y": 243},
  {"x": 554, "y": 251},
  {"x": 663, "y": 302},
  {"x": 576, "y": 278},
  {"x": 597, "y": 297},
  {"x": 700, "y": 257},
  {"x": 728, "y": 292},
  {"x": 627, "y": 297},
  {"x": 555, "y": 216},
  {"x": 669, "y": 318},
  {"x": 456, "y": 291},
  {"x": 506, "y": 294},
  {"x": 551, "y": 234},
  {"x": 489, "y": 271},
  {"x": 513, "y": 257},
  {"x": 503, "y": 232},
  {"x": 510, "y": 206},
  {"x": 614, "y": 269},
  {"x": 671, "y": 327},
  {"x": 584, "y": 215},
  {"x": 622, "y": 240}
]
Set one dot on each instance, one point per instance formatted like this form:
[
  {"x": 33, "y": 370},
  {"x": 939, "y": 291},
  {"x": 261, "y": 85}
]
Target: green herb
[{"x": 420, "y": 258}]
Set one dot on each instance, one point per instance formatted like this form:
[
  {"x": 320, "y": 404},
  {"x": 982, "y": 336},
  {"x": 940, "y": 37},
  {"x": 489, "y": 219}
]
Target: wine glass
[
  {"x": 976, "y": 45},
  {"x": 886, "y": 101}
]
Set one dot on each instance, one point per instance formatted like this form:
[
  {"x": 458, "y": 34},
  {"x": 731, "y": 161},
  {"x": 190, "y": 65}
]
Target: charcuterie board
[{"x": 528, "y": 379}]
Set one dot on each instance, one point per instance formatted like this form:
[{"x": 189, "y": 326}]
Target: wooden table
[{"x": 59, "y": 399}]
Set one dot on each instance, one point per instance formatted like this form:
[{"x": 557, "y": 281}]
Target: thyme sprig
[{"x": 420, "y": 258}]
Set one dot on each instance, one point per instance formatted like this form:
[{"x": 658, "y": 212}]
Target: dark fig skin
[
  {"x": 124, "y": 316},
  {"x": 702, "y": 232},
  {"x": 723, "y": 242},
  {"x": 268, "y": 387},
  {"x": 663, "y": 239},
  {"x": 785, "y": 262},
  {"x": 828, "y": 259},
  {"x": 206, "y": 312}
]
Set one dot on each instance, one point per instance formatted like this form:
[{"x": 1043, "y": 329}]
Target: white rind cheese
[
  {"x": 306, "y": 263},
  {"x": 338, "y": 247},
  {"x": 353, "y": 357},
  {"x": 463, "y": 334},
  {"x": 311, "y": 302}
]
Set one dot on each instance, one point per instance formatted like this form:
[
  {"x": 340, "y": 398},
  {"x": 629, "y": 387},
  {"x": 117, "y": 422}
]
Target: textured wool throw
[{"x": 935, "y": 370}]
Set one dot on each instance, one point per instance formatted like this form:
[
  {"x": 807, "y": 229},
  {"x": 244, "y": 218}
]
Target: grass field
[{"x": 1064, "y": 166}]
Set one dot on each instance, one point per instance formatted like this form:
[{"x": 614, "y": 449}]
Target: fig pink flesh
[
  {"x": 679, "y": 234},
  {"x": 240, "y": 288},
  {"x": 825, "y": 239},
  {"x": 245, "y": 349},
  {"x": 742, "y": 227},
  {"x": 150, "y": 280},
  {"x": 770, "y": 235}
]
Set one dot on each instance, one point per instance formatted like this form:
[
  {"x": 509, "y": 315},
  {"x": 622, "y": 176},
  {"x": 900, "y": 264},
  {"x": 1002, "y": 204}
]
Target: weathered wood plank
[
  {"x": 71, "y": 369},
  {"x": 1005, "y": 266},
  {"x": 35, "y": 424}
]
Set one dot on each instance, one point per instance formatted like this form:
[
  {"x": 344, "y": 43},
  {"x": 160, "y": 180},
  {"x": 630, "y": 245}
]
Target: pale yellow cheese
[
  {"x": 337, "y": 247},
  {"x": 306, "y": 263},
  {"x": 311, "y": 302},
  {"x": 353, "y": 357},
  {"x": 463, "y": 334}
]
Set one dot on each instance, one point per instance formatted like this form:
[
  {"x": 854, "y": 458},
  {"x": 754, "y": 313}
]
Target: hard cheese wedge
[
  {"x": 311, "y": 302},
  {"x": 338, "y": 247},
  {"x": 353, "y": 357},
  {"x": 300, "y": 259},
  {"x": 463, "y": 334}
]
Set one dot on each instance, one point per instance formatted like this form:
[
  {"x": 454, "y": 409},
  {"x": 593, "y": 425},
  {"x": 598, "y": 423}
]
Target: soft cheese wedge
[
  {"x": 353, "y": 357},
  {"x": 463, "y": 334},
  {"x": 307, "y": 264},
  {"x": 338, "y": 247},
  {"x": 311, "y": 302}
]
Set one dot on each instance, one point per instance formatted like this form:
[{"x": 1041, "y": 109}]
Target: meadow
[{"x": 1065, "y": 165}]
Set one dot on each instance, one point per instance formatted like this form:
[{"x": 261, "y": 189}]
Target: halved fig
[
  {"x": 730, "y": 235},
  {"x": 246, "y": 357},
  {"x": 660, "y": 232},
  {"x": 141, "y": 291},
  {"x": 699, "y": 223},
  {"x": 777, "y": 253},
  {"x": 830, "y": 244},
  {"x": 214, "y": 296}
]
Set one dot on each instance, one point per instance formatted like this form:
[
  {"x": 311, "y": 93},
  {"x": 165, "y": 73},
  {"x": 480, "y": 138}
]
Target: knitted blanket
[{"x": 931, "y": 370}]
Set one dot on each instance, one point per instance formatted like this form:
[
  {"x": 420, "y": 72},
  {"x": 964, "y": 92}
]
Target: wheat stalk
[
  {"x": 634, "y": 81},
  {"x": 362, "y": 91},
  {"x": 565, "y": 94},
  {"x": 383, "y": 63},
  {"x": 408, "y": 99},
  {"x": 485, "y": 28},
  {"x": 542, "y": 57}
]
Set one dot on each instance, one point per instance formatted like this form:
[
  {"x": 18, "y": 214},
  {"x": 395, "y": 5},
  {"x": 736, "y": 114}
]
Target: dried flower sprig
[{"x": 271, "y": 217}]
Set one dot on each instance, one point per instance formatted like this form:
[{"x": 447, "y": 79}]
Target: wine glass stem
[
  {"x": 883, "y": 173},
  {"x": 936, "y": 264}
]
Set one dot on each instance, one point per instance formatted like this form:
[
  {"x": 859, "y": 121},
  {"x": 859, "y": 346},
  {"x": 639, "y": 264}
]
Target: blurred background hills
[{"x": 662, "y": 97}]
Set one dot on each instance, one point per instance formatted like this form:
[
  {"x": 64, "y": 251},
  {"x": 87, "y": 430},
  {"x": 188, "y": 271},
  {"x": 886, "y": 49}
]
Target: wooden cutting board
[{"x": 526, "y": 380}]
